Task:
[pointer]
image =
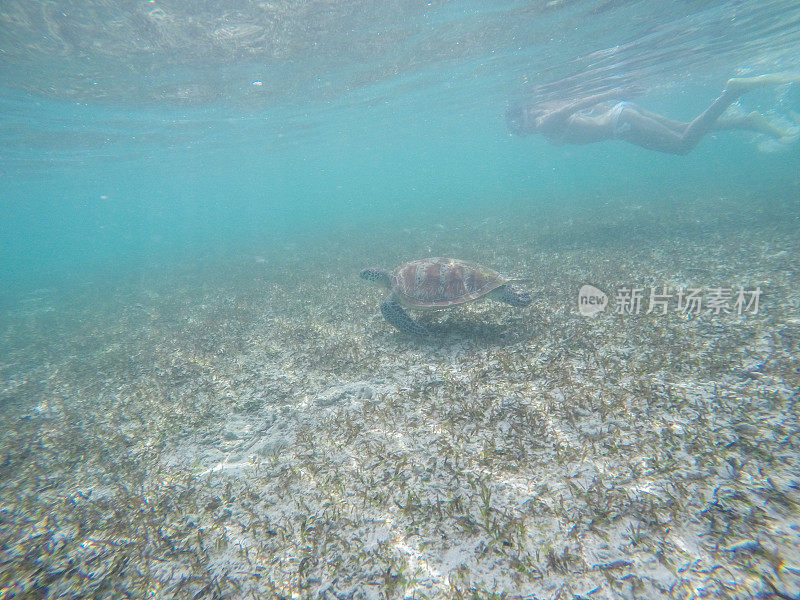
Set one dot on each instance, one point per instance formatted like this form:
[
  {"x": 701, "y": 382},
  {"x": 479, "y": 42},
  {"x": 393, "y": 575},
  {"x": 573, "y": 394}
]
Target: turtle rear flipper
[
  {"x": 510, "y": 295},
  {"x": 398, "y": 318}
]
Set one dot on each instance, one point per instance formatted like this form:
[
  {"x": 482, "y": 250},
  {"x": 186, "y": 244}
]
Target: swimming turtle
[{"x": 432, "y": 283}]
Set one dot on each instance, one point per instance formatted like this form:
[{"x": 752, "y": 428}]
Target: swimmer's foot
[
  {"x": 744, "y": 84},
  {"x": 791, "y": 135},
  {"x": 783, "y": 143},
  {"x": 758, "y": 122}
]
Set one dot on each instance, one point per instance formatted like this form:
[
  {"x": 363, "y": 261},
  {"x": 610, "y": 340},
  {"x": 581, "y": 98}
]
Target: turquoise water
[
  {"x": 98, "y": 170},
  {"x": 202, "y": 400}
]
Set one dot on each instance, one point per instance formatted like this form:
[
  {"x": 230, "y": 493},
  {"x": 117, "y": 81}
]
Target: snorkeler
[{"x": 595, "y": 119}]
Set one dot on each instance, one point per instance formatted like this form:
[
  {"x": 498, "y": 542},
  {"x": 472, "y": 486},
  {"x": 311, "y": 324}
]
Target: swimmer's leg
[
  {"x": 651, "y": 131},
  {"x": 656, "y": 132},
  {"x": 753, "y": 121},
  {"x": 735, "y": 87},
  {"x": 676, "y": 126},
  {"x": 740, "y": 85}
]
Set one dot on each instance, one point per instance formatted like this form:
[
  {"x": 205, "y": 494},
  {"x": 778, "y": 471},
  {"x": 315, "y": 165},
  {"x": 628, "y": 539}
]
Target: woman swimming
[{"x": 595, "y": 119}]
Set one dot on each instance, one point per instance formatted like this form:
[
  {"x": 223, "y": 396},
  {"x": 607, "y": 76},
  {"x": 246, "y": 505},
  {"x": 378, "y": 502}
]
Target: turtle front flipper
[{"x": 398, "y": 318}]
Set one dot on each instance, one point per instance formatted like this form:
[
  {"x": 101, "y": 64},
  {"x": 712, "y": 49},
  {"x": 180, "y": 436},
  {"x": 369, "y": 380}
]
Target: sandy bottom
[{"x": 249, "y": 426}]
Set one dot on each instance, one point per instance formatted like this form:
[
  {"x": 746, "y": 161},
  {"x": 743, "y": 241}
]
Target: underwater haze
[{"x": 201, "y": 398}]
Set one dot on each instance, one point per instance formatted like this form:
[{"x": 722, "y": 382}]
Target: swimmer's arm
[
  {"x": 594, "y": 99},
  {"x": 572, "y": 107}
]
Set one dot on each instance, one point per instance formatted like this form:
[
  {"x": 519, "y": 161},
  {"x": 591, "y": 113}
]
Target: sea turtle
[{"x": 439, "y": 282}]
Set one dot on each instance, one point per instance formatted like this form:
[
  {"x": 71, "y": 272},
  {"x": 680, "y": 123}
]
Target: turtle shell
[{"x": 441, "y": 282}]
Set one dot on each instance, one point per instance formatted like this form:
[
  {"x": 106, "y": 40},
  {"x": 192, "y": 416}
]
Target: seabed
[{"x": 250, "y": 427}]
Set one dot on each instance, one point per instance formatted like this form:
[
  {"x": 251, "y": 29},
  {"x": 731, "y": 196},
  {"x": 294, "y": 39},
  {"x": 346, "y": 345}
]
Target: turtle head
[{"x": 377, "y": 275}]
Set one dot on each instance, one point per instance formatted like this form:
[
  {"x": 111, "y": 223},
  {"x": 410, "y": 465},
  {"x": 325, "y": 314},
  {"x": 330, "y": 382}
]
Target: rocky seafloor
[{"x": 248, "y": 426}]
